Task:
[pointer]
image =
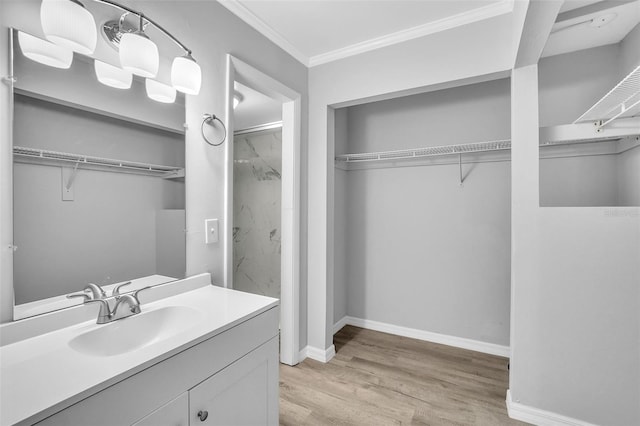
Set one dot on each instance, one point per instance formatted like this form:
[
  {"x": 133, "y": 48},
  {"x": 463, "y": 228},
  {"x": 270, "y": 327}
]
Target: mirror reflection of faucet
[{"x": 125, "y": 304}]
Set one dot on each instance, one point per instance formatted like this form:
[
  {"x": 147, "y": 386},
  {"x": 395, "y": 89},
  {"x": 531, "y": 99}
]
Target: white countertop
[{"x": 44, "y": 373}]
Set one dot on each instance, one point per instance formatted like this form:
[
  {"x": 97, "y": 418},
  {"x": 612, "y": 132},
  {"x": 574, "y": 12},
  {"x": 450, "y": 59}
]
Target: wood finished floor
[{"x": 381, "y": 379}]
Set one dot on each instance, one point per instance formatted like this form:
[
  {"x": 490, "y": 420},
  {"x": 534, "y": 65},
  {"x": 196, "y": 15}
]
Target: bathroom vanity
[{"x": 205, "y": 356}]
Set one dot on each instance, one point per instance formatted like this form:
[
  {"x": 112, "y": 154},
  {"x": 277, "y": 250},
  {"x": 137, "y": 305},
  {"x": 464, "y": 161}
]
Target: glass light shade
[
  {"x": 160, "y": 92},
  {"x": 69, "y": 24},
  {"x": 186, "y": 75},
  {"x": 112, "y": 76},
  {"x": 139, "y": 55},
  {"x": 44, "y": 52}
]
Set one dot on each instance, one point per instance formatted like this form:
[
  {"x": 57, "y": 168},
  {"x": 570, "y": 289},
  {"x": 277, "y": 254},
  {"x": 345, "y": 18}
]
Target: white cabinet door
[
  {"x": 244, "y": 393},
  {"x": 173, "y": 413}
]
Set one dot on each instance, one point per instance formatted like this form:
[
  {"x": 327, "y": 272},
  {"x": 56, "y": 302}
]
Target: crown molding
[
  {"x": 464, "y": 18},
  {"x": 492, "y": 10},
  {"x": 242, "y": 12}
]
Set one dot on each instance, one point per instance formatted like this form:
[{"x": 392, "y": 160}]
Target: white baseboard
[
  {"x": 458, "y": 342},
  {"x": 341, "y": 323},
  {"x": 317, "y": 354},
  {"x": 539, "y": 417}
]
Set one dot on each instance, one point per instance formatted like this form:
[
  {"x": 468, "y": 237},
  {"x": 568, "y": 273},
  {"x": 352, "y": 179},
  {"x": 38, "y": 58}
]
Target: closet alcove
[{"x": 422, "y": 214}]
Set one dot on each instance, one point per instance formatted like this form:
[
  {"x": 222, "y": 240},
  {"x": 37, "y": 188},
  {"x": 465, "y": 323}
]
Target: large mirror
[
  {"x": 98, "y": 184},
  {"x": 589, "y": 97}
]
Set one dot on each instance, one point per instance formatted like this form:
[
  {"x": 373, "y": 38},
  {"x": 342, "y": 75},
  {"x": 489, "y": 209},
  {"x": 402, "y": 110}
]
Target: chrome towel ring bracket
[{"x": 209, "y": 119}]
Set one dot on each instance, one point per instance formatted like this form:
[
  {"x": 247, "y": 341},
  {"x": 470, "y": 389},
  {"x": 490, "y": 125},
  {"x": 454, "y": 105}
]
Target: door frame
[{"x": 240, "y": 71}]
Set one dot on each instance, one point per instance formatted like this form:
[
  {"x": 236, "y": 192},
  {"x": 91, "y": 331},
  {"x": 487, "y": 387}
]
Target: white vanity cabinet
[
  {"x": 232, "y": 376},
  {"x": 173, "y": 413}
]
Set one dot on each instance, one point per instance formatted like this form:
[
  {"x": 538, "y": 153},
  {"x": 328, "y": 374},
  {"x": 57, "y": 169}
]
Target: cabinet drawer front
[
  {"x": 244, "y": 393},
  {"x": 135, "y": 397}
]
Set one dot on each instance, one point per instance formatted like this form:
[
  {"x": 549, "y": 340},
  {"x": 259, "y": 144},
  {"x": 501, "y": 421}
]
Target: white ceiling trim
[
  {"x": 464, "y": 18},
  {"x": 475, "y": 15},
  {"x": 242, "y": 12}
]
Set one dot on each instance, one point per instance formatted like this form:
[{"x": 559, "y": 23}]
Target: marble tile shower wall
[{"x": 257, "y": 195}]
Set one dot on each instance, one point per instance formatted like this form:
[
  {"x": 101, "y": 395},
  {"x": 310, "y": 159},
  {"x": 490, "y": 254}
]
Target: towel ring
[{"x": 208, "y": 118}]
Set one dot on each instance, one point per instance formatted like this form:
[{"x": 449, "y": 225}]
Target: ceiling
[
  {"x": 575, "y": 28},
  {"x": 254, "y": 109},
  {"x": 320, "y": 31}
]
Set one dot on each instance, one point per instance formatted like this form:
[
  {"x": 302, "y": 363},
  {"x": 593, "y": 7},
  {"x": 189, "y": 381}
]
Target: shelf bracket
[
  {"x": 68, "y": 177},
  {"x": 623, "y": 109},
  {"x": 460, "y": 168}
]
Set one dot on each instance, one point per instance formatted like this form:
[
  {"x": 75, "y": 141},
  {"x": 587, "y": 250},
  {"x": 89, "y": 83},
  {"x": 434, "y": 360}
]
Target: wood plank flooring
[{"x": 381, "y": 379}]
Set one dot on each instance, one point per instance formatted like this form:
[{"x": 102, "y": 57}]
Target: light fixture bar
[{"x": 146, "y": 18}]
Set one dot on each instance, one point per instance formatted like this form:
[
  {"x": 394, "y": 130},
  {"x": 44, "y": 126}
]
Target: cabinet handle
[{"x": 202, "y": 415}]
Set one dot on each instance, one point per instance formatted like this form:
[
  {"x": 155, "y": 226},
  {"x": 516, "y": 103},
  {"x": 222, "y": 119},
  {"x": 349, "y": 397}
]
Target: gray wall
[
  {"x": 629, "y": 48},
  {"x": 421, "y": 251},
  {"x": 579, "y": 181},
  {"x": 107, "y": 233}
]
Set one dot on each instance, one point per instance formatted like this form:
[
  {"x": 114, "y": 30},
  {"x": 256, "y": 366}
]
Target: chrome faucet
[
  {"x": 126, "y": 304},
  {"x": 104, "y": 315},
  {"x": 96, "y": 291},
  {"x": 91, "y": 292},
  {"x": 132, "y": 307}
]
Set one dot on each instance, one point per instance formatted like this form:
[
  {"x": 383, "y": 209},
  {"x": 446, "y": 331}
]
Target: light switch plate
[{"x": 211, "y": 231}]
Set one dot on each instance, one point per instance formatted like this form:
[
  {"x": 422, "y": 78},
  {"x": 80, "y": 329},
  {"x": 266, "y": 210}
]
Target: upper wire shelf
[
  {"x": 476, "y": 147},
  {"x": 621, "y": 101},
  {"x": 35, "y": 155},
  {"x": 498, "y": 145}
]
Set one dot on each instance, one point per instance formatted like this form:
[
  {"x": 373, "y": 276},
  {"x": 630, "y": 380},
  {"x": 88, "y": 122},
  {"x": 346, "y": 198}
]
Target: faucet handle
[
  {"x": 82, "y": 294},
  {"x": 135, "y": 294},
  {"x": 116, "y": 290},
  {"x": 97, "y": 291}
]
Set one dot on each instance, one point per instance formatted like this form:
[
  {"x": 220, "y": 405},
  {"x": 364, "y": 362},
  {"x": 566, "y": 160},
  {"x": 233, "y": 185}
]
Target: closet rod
[
  {"x": 38, "y": 156},
  {"x": 477, "y": 147}
]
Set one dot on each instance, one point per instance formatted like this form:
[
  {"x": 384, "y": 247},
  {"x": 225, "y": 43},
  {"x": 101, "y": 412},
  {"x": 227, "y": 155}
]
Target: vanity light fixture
[
  {"x": 44, "y": 52},
  {"x": 68, "y": 24},
  {"x": 112, "y": 76},
  {"x": 136, "y": 48},
  {"x": 138, "y": 53},
  {"x": 160, "y": 92},
  {"x": 186, "y": 75}
]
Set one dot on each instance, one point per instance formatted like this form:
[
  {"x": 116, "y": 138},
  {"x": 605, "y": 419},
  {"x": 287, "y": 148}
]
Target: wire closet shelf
[
  {"x": 432, "y": 151},
  {"x": 620, "y": 102},
  {"x": 469, "y": 148},
  {"x": 35, "y": 155}
]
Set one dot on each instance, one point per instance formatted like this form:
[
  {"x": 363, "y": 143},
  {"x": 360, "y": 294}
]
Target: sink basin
[{"x": 136, "y": 331}]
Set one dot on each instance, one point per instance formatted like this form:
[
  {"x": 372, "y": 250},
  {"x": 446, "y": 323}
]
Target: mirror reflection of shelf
[
  {"x": 56, "y": 158},
  {"x": 622, "y": 101}
]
